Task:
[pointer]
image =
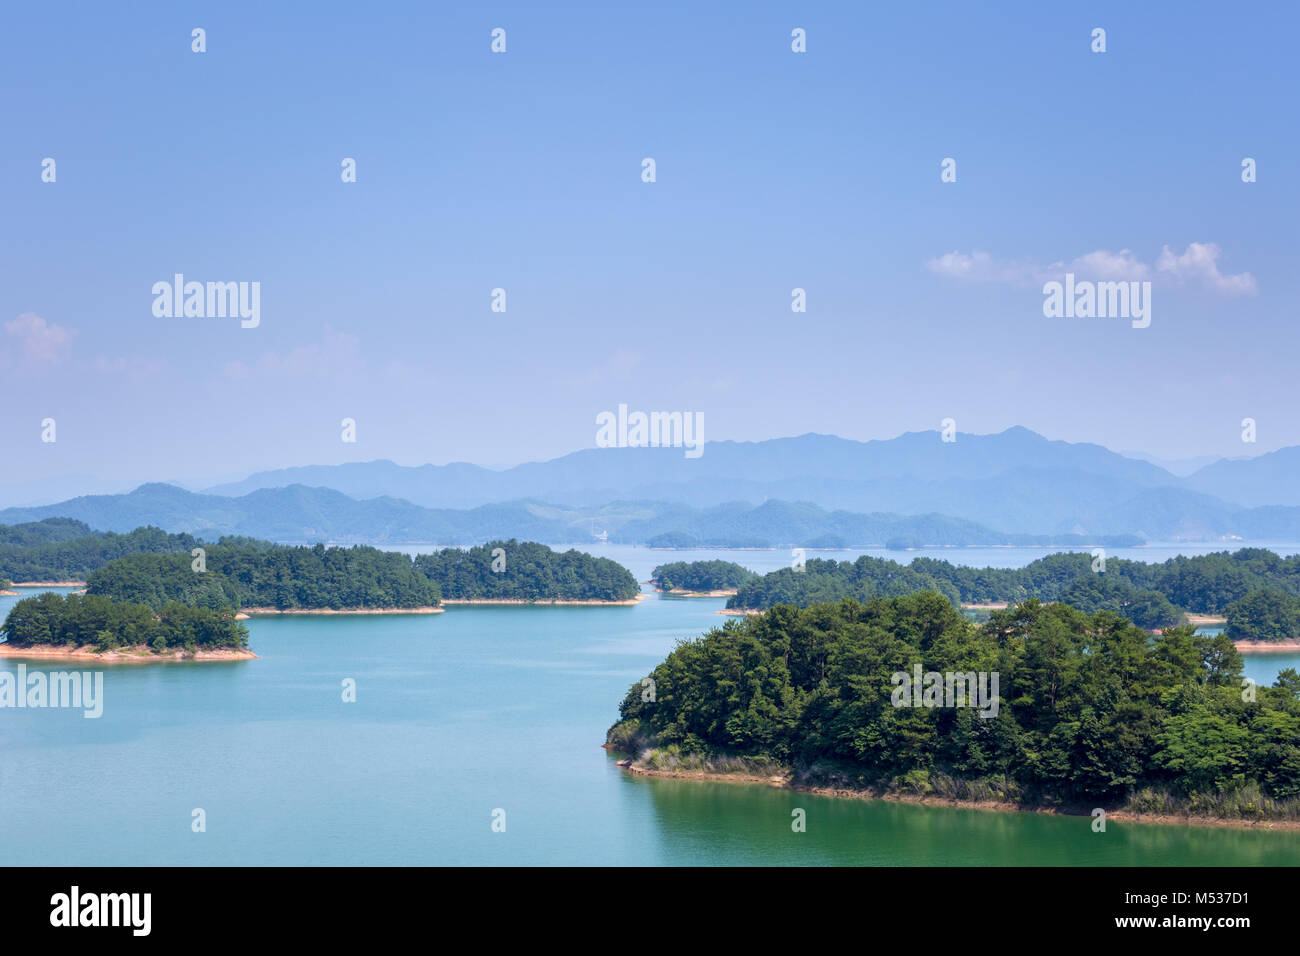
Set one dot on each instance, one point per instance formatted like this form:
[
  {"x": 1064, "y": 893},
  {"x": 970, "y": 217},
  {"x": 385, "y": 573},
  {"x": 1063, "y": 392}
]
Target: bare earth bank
[{"x": 139, "y": 654}]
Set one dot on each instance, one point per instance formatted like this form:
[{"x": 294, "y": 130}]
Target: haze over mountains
[{"x": 1008, "y": 487}]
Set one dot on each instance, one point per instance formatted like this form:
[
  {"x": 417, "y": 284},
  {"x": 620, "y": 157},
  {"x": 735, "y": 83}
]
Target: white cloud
[
  {"x": 1201, "y": 261},
  {"x": 337, "y": 355},
  {"x": 1104, "y": 264},
  {"x": 40, "y": 341},
  {"x": 980, "y": 267}
]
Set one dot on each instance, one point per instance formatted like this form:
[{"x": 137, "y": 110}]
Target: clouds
[
  {"x": 337, "y": 355},
  {"x": 981, "y": 267},
  {"x": 1201, "y": 261},
  {"x": 38, "y": 340},
  {"x": 1198, "y": 265}
]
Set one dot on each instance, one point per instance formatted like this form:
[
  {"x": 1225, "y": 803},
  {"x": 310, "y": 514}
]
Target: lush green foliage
[
  {"x": 60, "y": 549},
  {"x": 701, "y": 575},
  {"x": 1267, "y": 614},
  {"x": 49, "y": 531},
  {"x": 528, "y": 572},
  {"x": 1151, "y": 595},
  {"x": 242, "y": 572},
  {"x": 1092, "y": 708},
  {"x": 80, "y": 620}
]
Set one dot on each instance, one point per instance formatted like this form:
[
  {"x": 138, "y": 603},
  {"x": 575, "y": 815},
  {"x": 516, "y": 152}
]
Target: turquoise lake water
[{"x": 457, "y": 715}]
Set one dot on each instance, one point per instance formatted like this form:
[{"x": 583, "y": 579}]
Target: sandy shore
[
  {"x": 1268, "y": 647},
  {"x": 682, "y": 592},
  {"x": 4, "y": 593},
  {"x": 552, "y": 602},
  {"x": 139, "y": 654},
  {"x": 248, "y": 612},
  {"x": 784, "y": 781},
  {"x": 737, "y": 612},
  {"x": 49, "y": 584},
  {"x": 1202, "y": 620}
]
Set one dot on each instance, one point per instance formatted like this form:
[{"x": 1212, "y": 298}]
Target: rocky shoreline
[
  {"x": 785, "y": 781},
  {"x": 138, "y": 654}
]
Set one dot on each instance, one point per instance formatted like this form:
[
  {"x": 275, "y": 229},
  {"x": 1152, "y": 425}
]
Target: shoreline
[
  {"x": 1267, "y": 647},
  {"x": 49, "y": 584},
  {"x": 545, "y": 602},
  {"x": 682, "y": 592},
  {"x": 137, "y": 654},
  {"x": 245, "y": 613},
  {"x": 784, "y": 781}
]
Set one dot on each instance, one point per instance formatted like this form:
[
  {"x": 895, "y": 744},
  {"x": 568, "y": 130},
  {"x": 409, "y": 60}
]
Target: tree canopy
[
  {"x": 61, "y": 549},
  {"x": 526, "y": 571},
  {"x": 1153, "y": 596},
  {"x": 81, "y": 620},
  {"x": 701, "y": 575},
  {"x": 1092, "y": 707},
  {"x": 242, "y": 572}
]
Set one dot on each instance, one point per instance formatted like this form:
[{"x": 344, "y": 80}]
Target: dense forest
[
  {"x": 1151, "y": 595},
  {"x": 61, "y": 549},
  {"x": 244, "y": 572},
  {"x": 526, "y": 571},
  {"x": 93, "y": 620},
  {"x": 1093, "y": 710},
  {"x": 1266, "y": 614},
  {"x": 701, "y": 576}
]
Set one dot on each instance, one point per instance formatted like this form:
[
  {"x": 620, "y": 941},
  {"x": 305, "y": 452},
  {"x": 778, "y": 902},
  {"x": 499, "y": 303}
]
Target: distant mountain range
[
  {"x": 1012, "y": 487},
  {"x": 301, "y": 514}
]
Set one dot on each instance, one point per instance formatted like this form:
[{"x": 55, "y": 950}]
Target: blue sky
[{"x": 522, "y": 171}]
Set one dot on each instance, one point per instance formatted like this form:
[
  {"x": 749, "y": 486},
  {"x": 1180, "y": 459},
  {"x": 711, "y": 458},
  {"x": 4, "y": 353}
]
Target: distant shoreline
[
  {"x": 784, "y": 781},
  {"x": 138, "y": 654},
  {"x": 1267, "y": 647},
  {"x": 683, "y": 592},
  {"x": 49, "y": 584},
  {"x": 247, "y": 612},
  {"x": 544, "y": 602}
]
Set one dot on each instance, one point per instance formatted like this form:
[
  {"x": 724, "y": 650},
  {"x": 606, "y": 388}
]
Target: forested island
[
  {"x": 526, "y": 572},
  {"x": 1153, "y": 596},
  {"x": 61, "y": 550},
  {"x": 76, "y": 625},
  {"x": 255, "y": 577},
  {"x": 250, "y": 575},
  {"x": 1088, "y": 711},
  {"x": 188, "y": 603},
  {"x": 701, "y": 577},
  {"x": 152, "y": 567}
]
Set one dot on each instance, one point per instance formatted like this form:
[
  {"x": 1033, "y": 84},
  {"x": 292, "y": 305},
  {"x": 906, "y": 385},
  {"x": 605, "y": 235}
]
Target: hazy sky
[{"x": 523, "y": 171}]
